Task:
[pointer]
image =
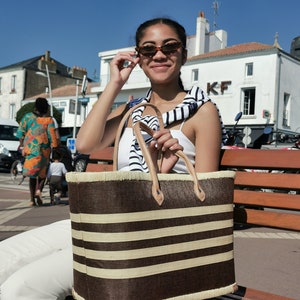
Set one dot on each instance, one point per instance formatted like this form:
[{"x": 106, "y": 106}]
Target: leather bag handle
[
  {"x": 122, "y": 124},
  {"x": 156, "y": 192},
  {"x": 137, "y": 129}
]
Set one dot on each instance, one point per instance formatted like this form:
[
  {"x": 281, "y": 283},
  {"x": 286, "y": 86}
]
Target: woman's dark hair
[
  {"x": 41, "y": 105},
  {"x": 180, "y": 31}
]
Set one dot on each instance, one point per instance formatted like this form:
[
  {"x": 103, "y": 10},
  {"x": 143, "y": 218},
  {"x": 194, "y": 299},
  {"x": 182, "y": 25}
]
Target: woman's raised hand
[{"x": 122, "y": 65}]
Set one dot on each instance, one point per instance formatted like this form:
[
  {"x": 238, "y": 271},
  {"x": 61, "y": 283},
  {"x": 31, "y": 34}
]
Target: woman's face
[{"x": 161, "y": 68}]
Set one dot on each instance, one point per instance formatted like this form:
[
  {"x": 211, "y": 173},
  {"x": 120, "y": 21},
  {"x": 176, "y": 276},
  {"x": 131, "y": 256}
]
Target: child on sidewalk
[{"x": 56, "y": 174}]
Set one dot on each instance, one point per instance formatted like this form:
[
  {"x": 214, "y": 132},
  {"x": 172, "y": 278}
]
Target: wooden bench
[
  {"x": 267, "y": 192},
  {"x": 101, "y": 160}
]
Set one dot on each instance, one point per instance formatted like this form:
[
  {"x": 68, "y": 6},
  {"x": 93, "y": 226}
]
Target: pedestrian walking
[
  {"x": 37, "y": 136},
  {"x": 56, "y": 176}
]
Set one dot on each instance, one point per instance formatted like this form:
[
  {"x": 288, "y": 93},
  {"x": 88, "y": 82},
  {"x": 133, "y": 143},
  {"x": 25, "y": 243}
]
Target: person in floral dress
[{"x": 37, "y": 136}]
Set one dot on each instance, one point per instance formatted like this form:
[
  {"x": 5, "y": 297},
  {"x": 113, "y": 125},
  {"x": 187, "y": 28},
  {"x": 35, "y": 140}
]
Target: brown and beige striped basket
[
  {"x": 126, "y": 246},
  {"x": 139, "y": 236}
]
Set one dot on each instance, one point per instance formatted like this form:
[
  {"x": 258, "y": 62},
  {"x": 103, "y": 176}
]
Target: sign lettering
[{"x": 212, "y": 87}]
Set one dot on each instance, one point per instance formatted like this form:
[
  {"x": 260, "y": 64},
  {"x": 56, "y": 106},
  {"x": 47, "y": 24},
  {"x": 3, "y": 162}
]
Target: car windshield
[{"x": 8, "y": 133}]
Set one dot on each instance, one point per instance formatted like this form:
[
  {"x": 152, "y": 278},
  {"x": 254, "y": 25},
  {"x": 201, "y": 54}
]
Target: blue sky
[{"x": 75, "y": 31}]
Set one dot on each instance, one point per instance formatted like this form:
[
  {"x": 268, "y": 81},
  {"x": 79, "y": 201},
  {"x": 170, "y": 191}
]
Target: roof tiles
[{"x": 236, "y": 49}]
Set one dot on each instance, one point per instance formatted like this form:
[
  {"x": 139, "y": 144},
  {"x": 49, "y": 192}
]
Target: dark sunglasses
[{"x": 150, "y": 51}]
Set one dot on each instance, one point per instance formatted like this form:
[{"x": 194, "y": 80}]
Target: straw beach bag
[{"x": 152, "y": 236}]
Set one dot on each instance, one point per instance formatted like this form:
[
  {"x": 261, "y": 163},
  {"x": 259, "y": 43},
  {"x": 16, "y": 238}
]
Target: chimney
[
  {"x": 201, "y": 29},
  {"x": 47, "y": 55},
  {"x": 46, "y": 60},
  {"x": 78, "y": 72}
]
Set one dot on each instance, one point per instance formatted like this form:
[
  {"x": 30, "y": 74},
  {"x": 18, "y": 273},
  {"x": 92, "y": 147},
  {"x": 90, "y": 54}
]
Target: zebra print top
[{"x": 193, "y": 100}]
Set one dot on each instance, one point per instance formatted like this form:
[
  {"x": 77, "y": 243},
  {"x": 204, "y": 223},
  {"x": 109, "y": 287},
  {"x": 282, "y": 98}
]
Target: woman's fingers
[
  {"x": 125, "y": 60},
  {"x": 122, "y": 65},
  {"x": 165, "y": 141}
]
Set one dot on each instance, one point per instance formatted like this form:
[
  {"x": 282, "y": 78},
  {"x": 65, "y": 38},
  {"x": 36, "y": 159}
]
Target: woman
[
  {"x": 196, "y": 128},
  {"x": 160, "y": 52},
  {"x": 37, "y": 135}
]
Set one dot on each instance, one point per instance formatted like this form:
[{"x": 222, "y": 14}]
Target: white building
[
  {"x": 260, "y": 80},
  {"x": 30, "y": 77},
  {"x": 12, "y": 88}
]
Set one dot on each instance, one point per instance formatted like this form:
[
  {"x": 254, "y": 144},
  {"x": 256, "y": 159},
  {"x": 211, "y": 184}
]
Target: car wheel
[{"x": 80, "y": 165}]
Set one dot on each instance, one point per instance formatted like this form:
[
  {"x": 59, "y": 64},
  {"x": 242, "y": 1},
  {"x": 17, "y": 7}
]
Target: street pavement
[
  {"x": 15, "y": 213},
  {"x": 265, "y": 259}
]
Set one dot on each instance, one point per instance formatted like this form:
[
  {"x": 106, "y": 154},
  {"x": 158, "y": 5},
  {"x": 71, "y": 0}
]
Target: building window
[
  {"x": 12, "y": 111},
  {"x": 286, "y": 110},
  {"x": 249, "y": 69},
  {"x": 13, "y": 83},
  {"x": 195, "y": 75},
  {"x": 248, "y": 101},
  {"x": 72, "y": 105},
  {"x": 63, "y": 115}
]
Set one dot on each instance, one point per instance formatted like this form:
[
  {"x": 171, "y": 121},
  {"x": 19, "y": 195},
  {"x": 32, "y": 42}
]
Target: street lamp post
[
  {"x": 83, "y": 91},
  {"x": 49, "y": 85},
  {"x": 75, "y": 112}
]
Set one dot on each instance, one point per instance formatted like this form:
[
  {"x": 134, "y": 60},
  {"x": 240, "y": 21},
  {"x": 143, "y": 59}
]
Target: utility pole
[{"x": 215, "y": 8}]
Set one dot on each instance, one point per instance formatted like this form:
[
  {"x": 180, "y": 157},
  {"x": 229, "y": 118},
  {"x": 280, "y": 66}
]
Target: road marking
[
  {"x": 16, "y": 228},
  {"x": 14, "y": 188},
  {"x": 13, "y": 211}
]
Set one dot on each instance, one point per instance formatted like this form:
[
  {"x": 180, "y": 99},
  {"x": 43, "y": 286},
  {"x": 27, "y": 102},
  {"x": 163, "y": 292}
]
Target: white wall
[
  {"x": 7, "y": 96},
  {"x": 289, "y": 83}
]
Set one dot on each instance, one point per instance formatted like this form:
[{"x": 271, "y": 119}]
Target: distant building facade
[{"x": 25, "y": 79}]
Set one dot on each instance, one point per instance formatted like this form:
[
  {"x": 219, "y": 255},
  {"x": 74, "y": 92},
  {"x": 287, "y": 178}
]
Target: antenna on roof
[{"x": 216, "y": 6}]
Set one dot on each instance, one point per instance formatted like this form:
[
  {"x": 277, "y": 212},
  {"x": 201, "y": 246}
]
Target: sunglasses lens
[
  {"x": 148, "y": 50},
  {"x": 167, "y": 49},
  {"x": 170, "y": 48}
]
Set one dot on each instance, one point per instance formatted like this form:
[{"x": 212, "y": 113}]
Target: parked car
[
  {"x": 80, "y": 162},
  {"x": 9, "y": 143}
]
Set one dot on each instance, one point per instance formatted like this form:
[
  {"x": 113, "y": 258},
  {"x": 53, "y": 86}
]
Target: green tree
[{"x": 29, "y": 107}]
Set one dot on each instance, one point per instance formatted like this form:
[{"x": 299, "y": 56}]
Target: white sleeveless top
[{"x": 126, "y": 141}]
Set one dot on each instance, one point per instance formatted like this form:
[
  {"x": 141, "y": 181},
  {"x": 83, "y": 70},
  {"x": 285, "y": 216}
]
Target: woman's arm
[
  {"x": 208, "y": 137},
  {"x": 99, "y": 129}
]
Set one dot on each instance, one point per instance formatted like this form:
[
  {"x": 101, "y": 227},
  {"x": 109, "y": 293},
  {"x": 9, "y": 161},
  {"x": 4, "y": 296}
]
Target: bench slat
[
  {"x": 260, "y": 295},
  {"x": 103, "y": 154},
  {"x": 268, "y": 180},
  {"x": 267, "y": 218},
  {"x": 275, "y": 200},
  {"x": 261, "y": 159},
  {"x": 244, "y": 293},
  {"x": 99, "y": 167}
]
